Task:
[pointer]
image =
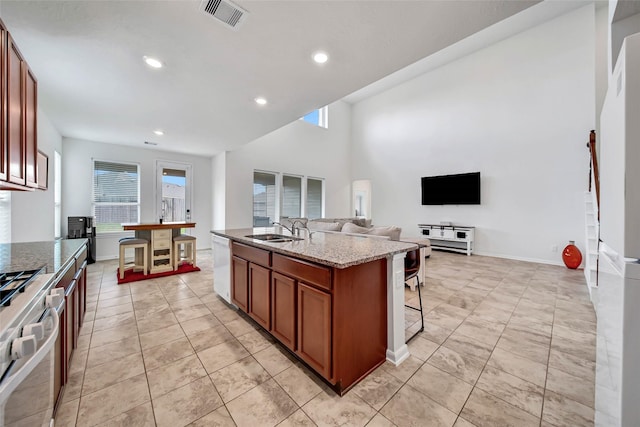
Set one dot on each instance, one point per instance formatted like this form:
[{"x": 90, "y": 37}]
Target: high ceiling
[{"x": 94, "y": 85}]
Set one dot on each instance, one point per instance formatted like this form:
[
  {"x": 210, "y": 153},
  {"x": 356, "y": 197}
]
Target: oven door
[{"x": 26, "y": 388}]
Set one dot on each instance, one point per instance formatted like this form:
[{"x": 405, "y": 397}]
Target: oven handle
[{"x": 12, "y": 382}]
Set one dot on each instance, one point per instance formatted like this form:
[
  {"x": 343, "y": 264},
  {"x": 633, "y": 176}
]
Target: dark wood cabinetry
[
  {"x": 30, "y": 102},
  {"x": 283, "y": 309},
  {"x": 260, "y": 295},
  {"x": 15, "y": 115},
  {"x": 67, "y": 283},
  {"x": 73, "y": 280},
  {"x": 240, "y": 283},
  {"x": 19, "y": 139},
  {"x": 314, "y": 328},
  {"x": 332, "y": 319}
]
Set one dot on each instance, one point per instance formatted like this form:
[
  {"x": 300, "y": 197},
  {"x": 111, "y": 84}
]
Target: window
[
  {"x": 264, "y": 198},
  {"x": 319, "y": 117},
  {"x": 278, "y": 196},
  {"x": 57, "y": 195},
  {"x": 116, "y": 195},
  {"x": 315, "y": 198},
  {"x": 291, "y": 196}
]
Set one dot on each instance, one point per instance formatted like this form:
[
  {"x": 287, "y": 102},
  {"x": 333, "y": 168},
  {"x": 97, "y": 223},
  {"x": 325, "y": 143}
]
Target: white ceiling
[{"x": 93, "y": 83}]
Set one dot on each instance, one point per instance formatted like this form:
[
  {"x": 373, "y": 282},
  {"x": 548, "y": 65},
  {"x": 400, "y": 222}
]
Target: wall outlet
[{"x": 554, "y": 249}]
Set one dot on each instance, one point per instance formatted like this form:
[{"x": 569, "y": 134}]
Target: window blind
[
  {"x": 291, "y": 196},
  {"x": 115, "y": 195},
  {"x": 314, "y": 198}
]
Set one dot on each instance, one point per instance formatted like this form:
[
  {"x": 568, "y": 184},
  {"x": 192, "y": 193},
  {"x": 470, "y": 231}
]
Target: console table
[
  {"x": 161, "y": 238},
  {"x": 449, "y": 237}
]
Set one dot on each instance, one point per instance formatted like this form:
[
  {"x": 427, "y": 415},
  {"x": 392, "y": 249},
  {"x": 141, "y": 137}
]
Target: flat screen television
[{"x": 459, "y": 189}]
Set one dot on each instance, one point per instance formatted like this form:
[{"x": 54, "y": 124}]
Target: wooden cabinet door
[
  {"x": 31, "y": 128},
  {"x": 71, "y": 303},
  {"x": 3, "y": 91},
  {"x": 283, "y": 309},
  {"x": 15, "y": 117},
  {"x": 314, "y": 328},
  {"x": 240, "y": 283},
  {"x": 81, "y": 278},
  {"x": 260, "y": 295}
]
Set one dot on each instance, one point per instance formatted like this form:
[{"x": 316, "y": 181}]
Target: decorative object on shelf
[{"x": 571, "y": 255}]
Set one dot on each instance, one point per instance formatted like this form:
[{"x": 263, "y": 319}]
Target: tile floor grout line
[{"x": 546, "y": 376}]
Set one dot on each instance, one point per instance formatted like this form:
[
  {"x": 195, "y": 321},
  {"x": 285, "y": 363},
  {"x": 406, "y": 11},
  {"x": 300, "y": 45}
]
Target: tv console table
[{"x": 449, "y": 237}]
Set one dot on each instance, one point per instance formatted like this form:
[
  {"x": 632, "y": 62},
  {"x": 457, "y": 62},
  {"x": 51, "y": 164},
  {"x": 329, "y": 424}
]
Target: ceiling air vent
[{"x": 224, "y": 11}]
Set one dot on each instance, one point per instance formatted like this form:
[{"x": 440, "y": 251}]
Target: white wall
[
  {"x": 300, "y": 149},
  {"x": 32, "y": 213},
  {"x": 519, "y": 112},
  {"x": 77, "y": 169}
]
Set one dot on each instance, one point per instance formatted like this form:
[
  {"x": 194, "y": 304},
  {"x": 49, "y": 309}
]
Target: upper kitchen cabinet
[{"x": 19, "y": 169}]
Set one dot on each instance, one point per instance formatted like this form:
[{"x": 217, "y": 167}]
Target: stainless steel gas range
[
  {"x": 29, "y": 327},
  {"x": 42, "y": 302}
]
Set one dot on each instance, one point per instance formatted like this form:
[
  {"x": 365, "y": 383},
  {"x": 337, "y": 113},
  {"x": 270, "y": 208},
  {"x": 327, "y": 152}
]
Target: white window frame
[
  {"x": 278, "y": 183},
  {"x": 323, "y": 117},
  {"x": 305, "y": 195},
  {"x": 57, "y": 194},
  {"x": 93, "y": 202},
  {"x": 188, "y": 168},
  {"x": 279, "y": 193}
]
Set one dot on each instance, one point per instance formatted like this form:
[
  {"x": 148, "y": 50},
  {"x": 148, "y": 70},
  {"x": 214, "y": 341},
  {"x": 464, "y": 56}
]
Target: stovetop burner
[{"x": 13, "y": 283}]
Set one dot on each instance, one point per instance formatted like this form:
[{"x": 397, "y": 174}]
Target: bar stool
[
  {"x": 188, "y": 244},
  {"x": 135, "y": 244},
  {"x": 411, "y": 270}
]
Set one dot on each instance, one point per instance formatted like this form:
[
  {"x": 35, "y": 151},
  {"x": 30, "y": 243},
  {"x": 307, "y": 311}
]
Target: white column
[{"x": 397, "y": 350}]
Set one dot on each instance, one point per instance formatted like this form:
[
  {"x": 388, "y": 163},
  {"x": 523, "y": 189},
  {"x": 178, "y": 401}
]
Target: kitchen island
[
  {"x": 335, "y": 301},
  {"x": 161, "y": 235}
]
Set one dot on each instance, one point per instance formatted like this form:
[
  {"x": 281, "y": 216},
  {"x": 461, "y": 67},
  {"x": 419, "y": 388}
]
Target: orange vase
[{"x": 571, "y": 256}]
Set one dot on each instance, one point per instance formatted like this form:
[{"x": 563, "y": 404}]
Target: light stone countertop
[
  {"x": 338, "y": 250},
  {"x": 54, "y": 254}
]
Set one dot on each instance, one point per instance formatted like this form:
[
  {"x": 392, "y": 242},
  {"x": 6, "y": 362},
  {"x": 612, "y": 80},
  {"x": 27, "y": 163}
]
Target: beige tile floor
[{"x": 506, "y": 343}]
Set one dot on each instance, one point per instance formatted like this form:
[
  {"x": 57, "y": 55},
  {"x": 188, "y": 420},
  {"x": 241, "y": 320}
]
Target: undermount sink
[{"x": 273, "y": 238}]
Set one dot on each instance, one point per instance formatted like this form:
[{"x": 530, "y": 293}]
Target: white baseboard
[{"x": 518, "y": 258}]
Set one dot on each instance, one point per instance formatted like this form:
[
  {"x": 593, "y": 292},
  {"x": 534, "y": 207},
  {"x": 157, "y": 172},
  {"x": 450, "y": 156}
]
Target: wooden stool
[
  {"x": 135, "y": 244},
  {"x": 189, "y": 248}
]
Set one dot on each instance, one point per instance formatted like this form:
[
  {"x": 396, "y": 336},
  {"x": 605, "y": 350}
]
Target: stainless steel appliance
[{"x": 29, "y": 328}]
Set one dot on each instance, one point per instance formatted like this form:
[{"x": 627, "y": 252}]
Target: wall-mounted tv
[{"x": 459, "y": 189}]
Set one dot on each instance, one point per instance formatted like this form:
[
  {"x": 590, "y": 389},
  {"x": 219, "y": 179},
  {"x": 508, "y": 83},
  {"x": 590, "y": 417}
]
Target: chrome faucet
[
  {"x": 291, "y": 230},
  {"x": 303, "y": 226}
]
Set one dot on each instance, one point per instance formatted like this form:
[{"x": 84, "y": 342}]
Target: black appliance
[
  {"x": 83, "y": 227},
  {"x": 459, "y": 189}
]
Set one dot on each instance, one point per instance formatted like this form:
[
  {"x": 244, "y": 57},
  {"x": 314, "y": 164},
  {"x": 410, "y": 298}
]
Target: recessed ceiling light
[
  {"x": 261, "y": 101},
  {"x": 158, "y": 132},
  {"x": 320, "y": 57},
  {"x": 152, "y": 62}
]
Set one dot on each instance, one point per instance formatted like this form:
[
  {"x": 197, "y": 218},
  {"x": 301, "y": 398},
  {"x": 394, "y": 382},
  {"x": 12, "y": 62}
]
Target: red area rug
[{"x": 131, "y": 276}]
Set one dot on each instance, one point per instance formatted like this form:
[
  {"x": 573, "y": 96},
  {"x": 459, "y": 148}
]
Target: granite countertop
[
  {"x": 53, "y": 254},
  {"x": 333, "y": 249}
]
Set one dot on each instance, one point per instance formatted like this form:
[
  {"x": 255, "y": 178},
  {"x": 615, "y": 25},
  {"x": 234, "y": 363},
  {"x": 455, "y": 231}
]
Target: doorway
[{"x": 174, "y": 187}]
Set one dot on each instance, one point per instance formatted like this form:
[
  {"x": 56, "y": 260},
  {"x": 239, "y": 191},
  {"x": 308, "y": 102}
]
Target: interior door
[{"x": 173, "y": 192}]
